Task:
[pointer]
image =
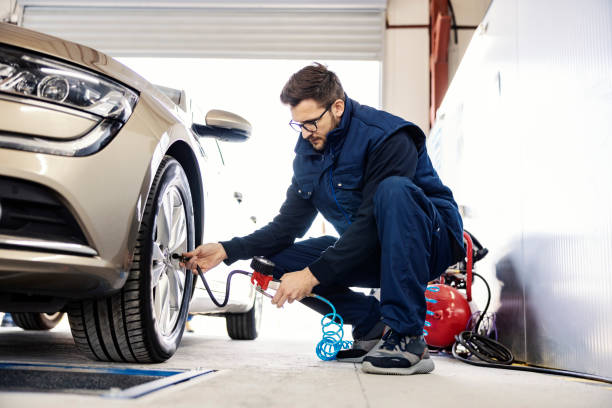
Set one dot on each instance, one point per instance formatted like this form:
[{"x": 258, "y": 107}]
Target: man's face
[{"x": 309, "y": 111}]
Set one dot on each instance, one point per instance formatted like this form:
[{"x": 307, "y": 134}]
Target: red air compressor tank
[{"x": 448, "y": 313}]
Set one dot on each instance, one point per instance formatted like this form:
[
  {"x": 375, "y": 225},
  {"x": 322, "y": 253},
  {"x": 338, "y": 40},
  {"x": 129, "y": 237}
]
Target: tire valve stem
[{"x": 181, "y": 258}]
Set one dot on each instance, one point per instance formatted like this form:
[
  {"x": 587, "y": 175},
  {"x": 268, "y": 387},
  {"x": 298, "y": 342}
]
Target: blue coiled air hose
[{"x": 332, "y": 327}]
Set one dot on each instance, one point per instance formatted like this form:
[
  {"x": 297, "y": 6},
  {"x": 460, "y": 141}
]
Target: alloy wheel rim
[{"x": 167, "y": 277}]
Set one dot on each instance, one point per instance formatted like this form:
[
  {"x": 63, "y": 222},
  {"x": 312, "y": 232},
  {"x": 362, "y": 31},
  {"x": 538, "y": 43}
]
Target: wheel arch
[{"x": 182, "y": 153}]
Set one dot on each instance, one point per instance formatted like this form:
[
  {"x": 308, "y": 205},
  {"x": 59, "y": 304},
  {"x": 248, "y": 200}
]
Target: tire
[
  {"x": 144, "y": 322},
  {"x": 245, "y": 326},
  {"x": 37, "y": 321}
]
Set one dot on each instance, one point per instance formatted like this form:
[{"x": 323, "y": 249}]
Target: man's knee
[
  {"x": 396, "y": 195},
  {"x": 300, "y": 255},
  {"x": 393, "y": 187}
]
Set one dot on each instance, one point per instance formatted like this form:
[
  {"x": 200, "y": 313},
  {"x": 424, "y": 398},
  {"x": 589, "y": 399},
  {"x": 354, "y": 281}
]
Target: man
[{"x": 368, "y": 173}]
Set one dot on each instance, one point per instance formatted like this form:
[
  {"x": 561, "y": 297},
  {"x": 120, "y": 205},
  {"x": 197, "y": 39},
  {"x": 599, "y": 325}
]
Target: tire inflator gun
[{"x": 262, "y": 278}]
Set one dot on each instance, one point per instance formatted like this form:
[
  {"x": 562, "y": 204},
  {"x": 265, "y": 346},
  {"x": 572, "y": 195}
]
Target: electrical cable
[
  {"x": 495, "y": 355},
  {"x": 486, "y": 308},
  {"x": 483, "y": 347},
  {"x": 454, "y": 22},
  {"x": 535, "y": 370}
]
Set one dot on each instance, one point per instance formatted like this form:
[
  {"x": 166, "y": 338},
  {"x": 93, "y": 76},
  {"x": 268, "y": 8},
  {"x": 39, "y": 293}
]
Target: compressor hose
[
  {"x": 227, "y": 286},
  {"x": 332, "y": 324},
  {"x": 332, "y": 327}
]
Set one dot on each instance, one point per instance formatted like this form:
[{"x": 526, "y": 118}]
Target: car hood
[{"x": 76, "y": 54}]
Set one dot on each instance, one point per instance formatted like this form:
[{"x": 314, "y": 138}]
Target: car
[{"x": 103, "y": 177}]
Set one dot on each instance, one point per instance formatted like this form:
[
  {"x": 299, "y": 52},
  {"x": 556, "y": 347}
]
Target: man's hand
[
  {"x": 294, "y": 286},
  {"x": 206, "y": 256}
]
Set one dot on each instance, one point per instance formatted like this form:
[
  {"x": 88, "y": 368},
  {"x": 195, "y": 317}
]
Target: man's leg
[
  {"x": 357, "y": 309},
  {"x": 410, "y": 230}
]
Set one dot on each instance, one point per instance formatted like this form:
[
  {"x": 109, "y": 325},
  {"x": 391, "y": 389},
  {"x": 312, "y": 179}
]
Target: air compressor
[{"x": 448, "y": 309}]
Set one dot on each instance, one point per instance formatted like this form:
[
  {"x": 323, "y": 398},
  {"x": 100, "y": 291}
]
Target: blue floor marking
[
  {"x": 172, "y": 377},
  {"x": 93, "y": 369},
  {"x": 147, "y": 388}
]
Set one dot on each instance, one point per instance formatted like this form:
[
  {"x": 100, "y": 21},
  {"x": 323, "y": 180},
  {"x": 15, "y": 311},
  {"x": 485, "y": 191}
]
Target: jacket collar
[{"x": 335, "y": 138}]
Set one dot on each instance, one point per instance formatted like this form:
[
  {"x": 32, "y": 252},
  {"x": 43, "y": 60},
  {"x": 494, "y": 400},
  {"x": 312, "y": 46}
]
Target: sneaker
[
  {"x": 399, "y": 354},
  {"x": 362, "y": 346},
  {"x": 188, "y": 327}
]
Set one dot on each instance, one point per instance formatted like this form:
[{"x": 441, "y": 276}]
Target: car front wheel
[{"x": 144, "y": 322}]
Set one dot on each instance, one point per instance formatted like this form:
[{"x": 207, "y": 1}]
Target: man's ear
[{"x": 338, "y": 108}]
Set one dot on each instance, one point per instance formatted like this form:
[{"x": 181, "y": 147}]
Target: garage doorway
[{"x": 251, "y": 88}]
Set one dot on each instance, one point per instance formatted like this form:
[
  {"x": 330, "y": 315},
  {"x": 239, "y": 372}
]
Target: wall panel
[{"x": 523, "y": 138}]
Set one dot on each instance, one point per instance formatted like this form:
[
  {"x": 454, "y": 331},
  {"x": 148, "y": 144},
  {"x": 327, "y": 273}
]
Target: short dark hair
[{"x": 314, "y": 81}]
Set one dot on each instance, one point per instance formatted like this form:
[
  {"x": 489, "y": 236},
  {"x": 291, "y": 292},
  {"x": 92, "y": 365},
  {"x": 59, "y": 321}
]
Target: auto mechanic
[{"x": 368, "y": 173}]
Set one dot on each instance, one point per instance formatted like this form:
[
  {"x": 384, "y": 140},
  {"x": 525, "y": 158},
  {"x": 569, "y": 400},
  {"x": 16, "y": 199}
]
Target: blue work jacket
[{"x": 331, "y": 182}]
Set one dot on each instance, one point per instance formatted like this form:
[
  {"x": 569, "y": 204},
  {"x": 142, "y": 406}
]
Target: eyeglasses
[{"x": 309, "y": 125}]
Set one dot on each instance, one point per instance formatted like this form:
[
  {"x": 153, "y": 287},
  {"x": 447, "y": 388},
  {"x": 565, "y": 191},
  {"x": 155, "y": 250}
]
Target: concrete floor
[{"x": 286, "y": 373}]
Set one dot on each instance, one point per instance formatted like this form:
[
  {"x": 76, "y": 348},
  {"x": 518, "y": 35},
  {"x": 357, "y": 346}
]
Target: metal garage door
[{"x": 334, "y": 29}]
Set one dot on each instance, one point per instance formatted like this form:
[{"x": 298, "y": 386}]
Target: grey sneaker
[
  {"x": 362, "y": 346},
  {"x": 399, "y": 354}
]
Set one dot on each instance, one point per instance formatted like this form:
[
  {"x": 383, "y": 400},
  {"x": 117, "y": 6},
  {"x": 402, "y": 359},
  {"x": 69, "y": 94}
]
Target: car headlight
[
  {"x": 32, "y": 76},
  {"x": 47, "y": 83}
]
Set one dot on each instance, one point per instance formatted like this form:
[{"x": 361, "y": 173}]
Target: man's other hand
[
  {"x": 294, "y": 286},
  {"x": 206, "y": 256}
]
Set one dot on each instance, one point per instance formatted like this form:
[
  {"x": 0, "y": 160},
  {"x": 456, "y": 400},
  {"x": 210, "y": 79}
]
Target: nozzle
[{"x": 180, "y": 257}]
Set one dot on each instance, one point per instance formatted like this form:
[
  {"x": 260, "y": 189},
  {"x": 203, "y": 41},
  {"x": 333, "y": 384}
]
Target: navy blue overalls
[{"x": 419, "y": 228}]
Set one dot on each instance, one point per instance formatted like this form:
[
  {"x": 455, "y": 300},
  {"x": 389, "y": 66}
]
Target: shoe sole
[
  {"x": 351, "y": 360},
  {"x": 422, "y": 367}
]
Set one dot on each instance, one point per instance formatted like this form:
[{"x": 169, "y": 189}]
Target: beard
[{"x": 322, "y": 142}]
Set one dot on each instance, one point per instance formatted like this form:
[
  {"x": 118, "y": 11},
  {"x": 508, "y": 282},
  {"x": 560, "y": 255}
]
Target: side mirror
[{"x": 225, "y": 126}]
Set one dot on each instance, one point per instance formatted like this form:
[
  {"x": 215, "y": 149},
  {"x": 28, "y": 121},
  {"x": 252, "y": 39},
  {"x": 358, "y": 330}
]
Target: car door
[{"x": 225, "y": 217}]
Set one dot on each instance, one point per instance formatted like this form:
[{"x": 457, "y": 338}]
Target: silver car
[{"x": 103, "y": 177}]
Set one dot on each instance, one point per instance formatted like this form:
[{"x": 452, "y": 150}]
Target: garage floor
[{"x": 286, "y": 373}]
